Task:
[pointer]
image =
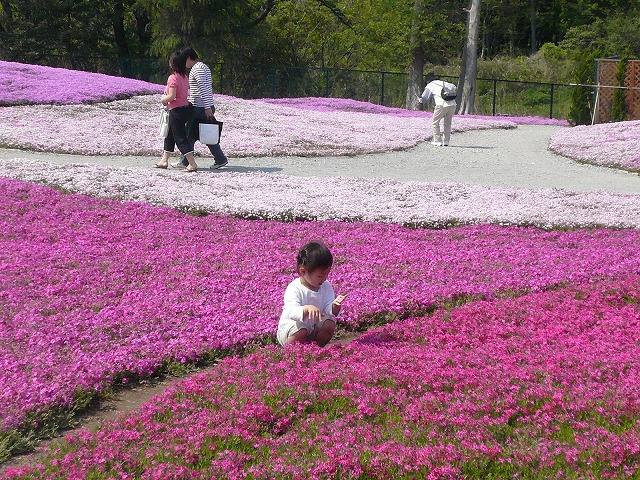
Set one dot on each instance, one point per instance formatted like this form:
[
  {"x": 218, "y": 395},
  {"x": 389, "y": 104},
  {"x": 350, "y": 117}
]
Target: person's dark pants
[
  {"x": 199, "y": 117},
  {"x": 178, "y": 119}
]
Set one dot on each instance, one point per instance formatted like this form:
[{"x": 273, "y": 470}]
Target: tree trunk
[
  {"x": 469, "y": 69},
  {"x": 534, "y": 40},
  {"x": 415, "y": 86},
  {"x": 119, "y": 32}
]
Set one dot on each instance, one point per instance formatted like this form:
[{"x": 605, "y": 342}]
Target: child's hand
[
  {"x": 313, "y": 313},
  {"x": 339, "y": 299},
  {"x": 337, "y": 304}
]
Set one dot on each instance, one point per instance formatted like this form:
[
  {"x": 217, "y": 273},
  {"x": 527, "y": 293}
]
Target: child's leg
[
  {"x": 299, "y": 337},
  {"x": 326, "y": 332}
]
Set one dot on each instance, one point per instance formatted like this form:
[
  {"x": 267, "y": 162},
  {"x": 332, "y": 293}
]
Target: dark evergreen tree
[{"x": 619, "y": 105}]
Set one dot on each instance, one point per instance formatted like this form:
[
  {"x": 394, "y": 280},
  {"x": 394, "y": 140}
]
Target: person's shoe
[
  {"x": 176, "y": 165},
  {"x": 219, "y": 165},
  {"x": 444, "y": 144},
  {"x": 435, "y": 144}
]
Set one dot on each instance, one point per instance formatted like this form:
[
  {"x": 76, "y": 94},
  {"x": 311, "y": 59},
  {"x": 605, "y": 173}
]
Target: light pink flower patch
[
  {"x": 348, "y": 105},
  {"x": 281, "y": 197},
  {"x": 251, "y": 128},
  {"x": 34, "y": 84},
  {"x": 608, "y": 144}
]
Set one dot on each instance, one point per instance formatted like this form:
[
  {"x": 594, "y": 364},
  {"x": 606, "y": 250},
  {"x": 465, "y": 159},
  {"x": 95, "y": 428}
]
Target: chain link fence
[{"x": 493, "y": 96}]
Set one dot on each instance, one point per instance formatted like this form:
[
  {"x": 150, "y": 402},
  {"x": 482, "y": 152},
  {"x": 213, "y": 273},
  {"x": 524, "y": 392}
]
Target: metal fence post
[
  {"x": 382, "y": 88},
  {"x": 551, "y": 103},
  {"x": 495, "y": 89},
  {"x": 221, "y": 77},
  {"x": 326, "y": 82},
  {"x": 273, "y": 74}
]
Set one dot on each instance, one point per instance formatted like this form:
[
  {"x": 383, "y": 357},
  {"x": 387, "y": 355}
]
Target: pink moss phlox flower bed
[
  {"x": 542, "y": 386},
  {"x": 34, "y": 84},
  {"x": 251, "y": 128},
  {"x": 96, "y": 290},
  {"x": 347, "y": 105},
  {"x": 608, "y": 144},
  {"x": 281, "y": 197}
]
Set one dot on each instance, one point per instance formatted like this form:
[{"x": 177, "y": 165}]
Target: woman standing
[{"x": 180, "y": 112}]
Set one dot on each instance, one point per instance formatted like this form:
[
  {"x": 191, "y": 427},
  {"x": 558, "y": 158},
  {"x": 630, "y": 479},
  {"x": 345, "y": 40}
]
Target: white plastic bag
[
  {"x": 164, "y": 122},
  {"x": 209, "y": 133}
]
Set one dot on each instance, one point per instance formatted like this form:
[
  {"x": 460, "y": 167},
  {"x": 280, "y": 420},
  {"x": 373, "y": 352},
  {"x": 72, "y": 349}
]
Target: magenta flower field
[
  {"x": 541, "y": 386},
  {"x": 500, "y": 327}
]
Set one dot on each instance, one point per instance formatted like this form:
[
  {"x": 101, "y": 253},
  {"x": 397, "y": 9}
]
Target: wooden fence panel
[{"x": 606, "y": 72}]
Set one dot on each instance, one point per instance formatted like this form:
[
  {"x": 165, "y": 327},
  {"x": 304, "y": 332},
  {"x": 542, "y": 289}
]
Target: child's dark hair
[
  {"x": 178, "y": 63},
  {"x": 314, "y": 255}
]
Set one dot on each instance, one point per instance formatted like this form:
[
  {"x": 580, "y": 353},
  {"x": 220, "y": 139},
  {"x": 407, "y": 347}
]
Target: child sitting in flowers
[{"x": 310, "y": 304}]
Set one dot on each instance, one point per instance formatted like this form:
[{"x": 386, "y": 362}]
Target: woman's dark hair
[
  {"x": 314, "y": 255},
  {"x": 178, "y": 62}
]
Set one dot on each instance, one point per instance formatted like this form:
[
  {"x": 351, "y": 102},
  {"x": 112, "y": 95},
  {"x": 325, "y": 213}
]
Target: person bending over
[
  {"x": 443, "y": 110},
  {"x": 310, "y": 304}
]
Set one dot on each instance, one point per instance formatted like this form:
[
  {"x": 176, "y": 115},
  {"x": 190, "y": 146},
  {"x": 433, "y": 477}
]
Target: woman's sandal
[
  {"x": 189, "y": 169},
  {"x": 159, "y": 165}
]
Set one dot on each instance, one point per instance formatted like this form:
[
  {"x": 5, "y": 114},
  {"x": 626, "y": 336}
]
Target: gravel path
[{"x": 516, "y": 157}]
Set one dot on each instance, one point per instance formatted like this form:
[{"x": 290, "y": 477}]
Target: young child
[{"x": 310, "y": 304}]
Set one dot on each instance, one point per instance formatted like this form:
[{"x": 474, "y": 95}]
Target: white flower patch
[{"x": 282, "y": 197}]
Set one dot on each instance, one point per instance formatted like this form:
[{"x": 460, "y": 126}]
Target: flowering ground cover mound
[
  {"x": 130, "y": 127},
  {"x": 541, "y": 386},
  {"x": 35, "y": 84},
  {"x": 271, "y": 196},
  {"x": 96, "y": 291},
  {"x": 348, "y": 105},
  {"x": 607, "y": 144}
]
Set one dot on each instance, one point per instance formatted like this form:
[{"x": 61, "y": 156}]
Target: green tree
[
  {"x": 82, "y": 34},
  {"x": 619, "y": 105},
  {"x": 612, "y": 35},
  {"x": 582, "y": 97}
]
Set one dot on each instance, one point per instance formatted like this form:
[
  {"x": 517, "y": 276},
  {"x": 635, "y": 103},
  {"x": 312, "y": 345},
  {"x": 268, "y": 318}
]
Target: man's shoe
[
  {"x": 175, "y": 165},
  {"x": 435, "y": 144},
  {"x": 219, "y": 165}
]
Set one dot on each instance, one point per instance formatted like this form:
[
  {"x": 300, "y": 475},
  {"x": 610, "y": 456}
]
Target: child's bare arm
[{"x": 337, "y": 304}]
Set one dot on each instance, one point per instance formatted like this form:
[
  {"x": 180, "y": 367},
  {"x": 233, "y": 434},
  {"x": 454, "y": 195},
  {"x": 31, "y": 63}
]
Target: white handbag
[
  {"x": 209, "y": 133},
  {"x": 164, "y": 122}
]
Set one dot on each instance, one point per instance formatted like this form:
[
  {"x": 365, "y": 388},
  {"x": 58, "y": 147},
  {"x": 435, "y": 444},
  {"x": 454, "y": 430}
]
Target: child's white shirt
[{"x": 296, "y": 296}]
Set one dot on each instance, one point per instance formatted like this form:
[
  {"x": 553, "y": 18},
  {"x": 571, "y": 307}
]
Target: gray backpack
[{"x": 449, "y": 91}]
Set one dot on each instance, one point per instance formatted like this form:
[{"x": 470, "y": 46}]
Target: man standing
[
  {"x": 443, "y": 110},
  {"x": 201, "y": 97}
]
